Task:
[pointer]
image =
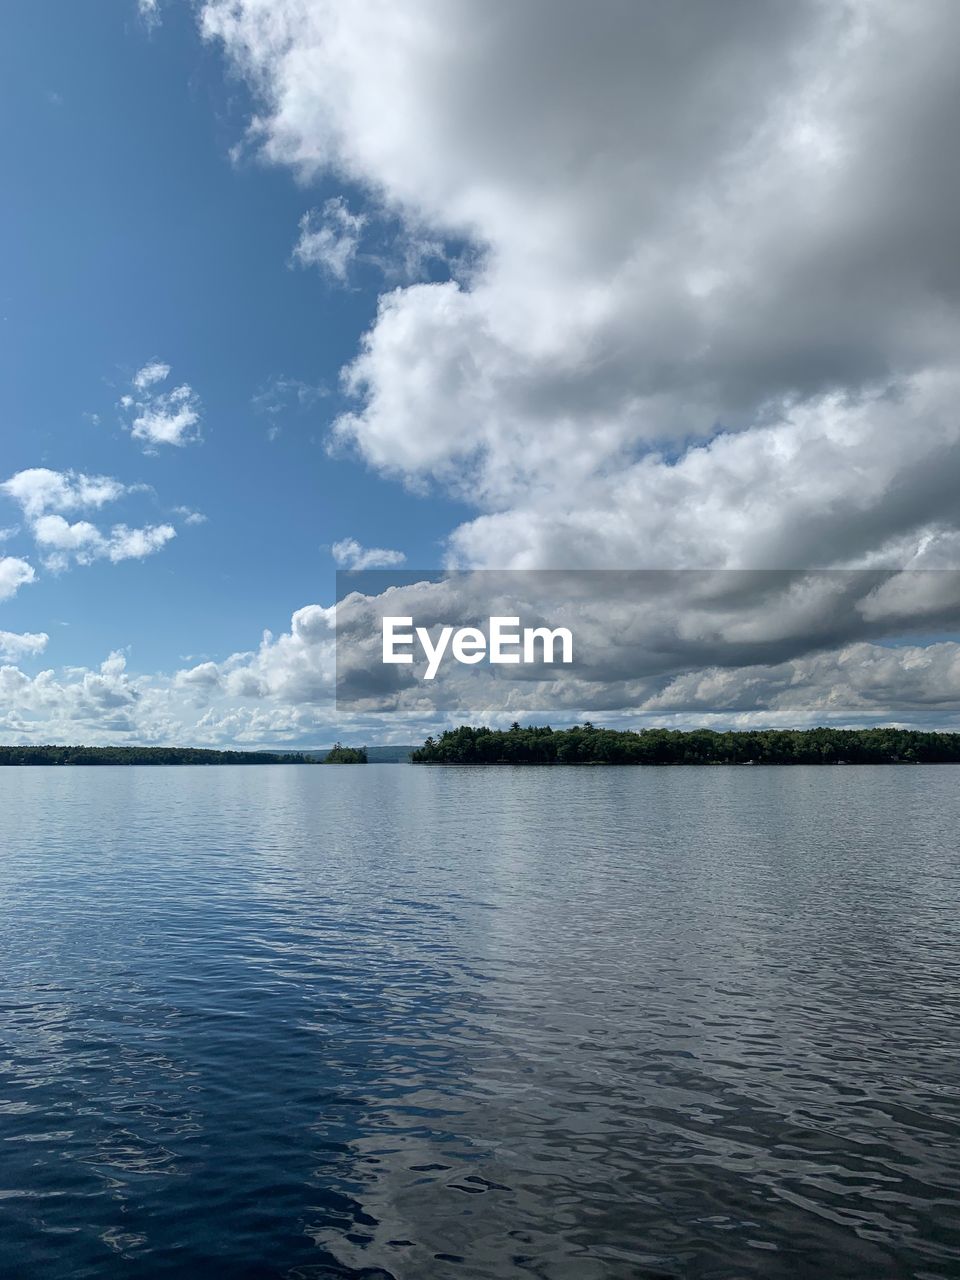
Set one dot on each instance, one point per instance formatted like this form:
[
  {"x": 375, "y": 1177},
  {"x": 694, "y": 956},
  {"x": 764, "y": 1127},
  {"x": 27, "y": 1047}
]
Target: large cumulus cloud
[
  {"x": 650, "y": 647},
  {"x": 701, "y": 312},
  {"x": 730, "y": 648},
  {"x": 711, "y": 313}
]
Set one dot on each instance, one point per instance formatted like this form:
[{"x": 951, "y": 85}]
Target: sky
[{"x": 289, "y": 286}]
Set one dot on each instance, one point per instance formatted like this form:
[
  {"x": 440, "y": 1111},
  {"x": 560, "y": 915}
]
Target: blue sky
[
  {"x": 288, "y": 284},
  {"x": 131, "y": 235}
]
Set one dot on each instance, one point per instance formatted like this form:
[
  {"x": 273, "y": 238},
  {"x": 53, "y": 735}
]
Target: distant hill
[
  {"x": 390, "y": 755},
  {"x": 375, "y": 755}
]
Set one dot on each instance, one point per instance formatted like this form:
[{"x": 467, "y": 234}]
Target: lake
[{"x": 389, "y": 1021}]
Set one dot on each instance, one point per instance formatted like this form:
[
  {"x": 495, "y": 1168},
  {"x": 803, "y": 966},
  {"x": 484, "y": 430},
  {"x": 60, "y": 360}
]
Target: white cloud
[
  {"x": 14, "y": 645},
  {"x": 44, "y": 495},
  {"x": 329, "y": 238},
  {"x": 742, "y": 219},
  {"x": 155, "y": 371},
  {"x": 83, "y": 542},
  {"x": 859, "y": 683},
  {"x": 81, "y": 539},
  {"x": 349, "y": 554},
  {"x": 161, "y": 417},
  {"x": 97, "y": 706},
  {"x": 39, "y": 490},
  {"x": 171, "y": 418},
  {"x": 204, "y": 675},
  {"x": 134, "y": 544},
  {"x": 149, "y": 11},
  {"x": 705, "y": 313},
  {"x": 296, "y": 667},
  {"x": 190, "y": 516},
  {"x": 293, "y": 672},
  {"x": 279, "y": 694},
  {"x": 14, "y": 574},
  {"x": 837, "y": 481},
  {"x": 728, "y": 650}
]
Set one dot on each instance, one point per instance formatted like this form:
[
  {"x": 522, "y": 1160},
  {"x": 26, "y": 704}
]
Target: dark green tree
[
  {"x": 589, "y": 744},
  {"x": 340, "y": 754}
]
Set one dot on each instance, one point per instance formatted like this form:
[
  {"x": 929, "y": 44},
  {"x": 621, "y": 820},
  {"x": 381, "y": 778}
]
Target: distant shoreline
[
  {"x": 581, "y": 745},
  {"x": 588, "y": 744},
  {"x": 672, "y": 764},
  {"x": 54, "y": 755},
  {"x": 34, "y": 757}
]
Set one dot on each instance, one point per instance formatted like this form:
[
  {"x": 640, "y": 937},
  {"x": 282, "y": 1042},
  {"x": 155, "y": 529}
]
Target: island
[
  {"x": 339, "y": 754},
  {"x": 588, "y": 744}
]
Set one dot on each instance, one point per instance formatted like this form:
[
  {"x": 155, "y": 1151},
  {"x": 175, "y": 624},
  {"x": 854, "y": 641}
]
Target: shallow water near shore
[{"x": 389, "y": 1021}]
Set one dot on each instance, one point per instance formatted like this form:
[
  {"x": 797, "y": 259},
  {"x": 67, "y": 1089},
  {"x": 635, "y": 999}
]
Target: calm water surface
[{"x": 399, "y": 1022}]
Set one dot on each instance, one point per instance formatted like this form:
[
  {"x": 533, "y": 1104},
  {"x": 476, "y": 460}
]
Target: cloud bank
[
  {"x": 711, "y": 313},
  {"x": 700, "y": 311},
  {"x": 736, "y": 649}
]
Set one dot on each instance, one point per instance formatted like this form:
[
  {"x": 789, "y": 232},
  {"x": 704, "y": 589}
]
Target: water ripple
[{"x": 402, "y": 1023}]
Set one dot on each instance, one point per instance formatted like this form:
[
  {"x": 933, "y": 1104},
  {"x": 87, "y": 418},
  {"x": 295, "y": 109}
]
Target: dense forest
[
  {"x": 586, "y": 744},
  {"x": 339, "y": 754},
  {"x": 144, "y": 755}
]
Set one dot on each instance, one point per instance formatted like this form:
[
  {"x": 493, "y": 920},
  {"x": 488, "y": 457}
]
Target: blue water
[{"x": 389, "y": 1021}]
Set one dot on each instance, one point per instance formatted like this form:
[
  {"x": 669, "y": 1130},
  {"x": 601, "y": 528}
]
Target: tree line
[
  {"x": 587, "y": 744},
  {"x": 339, "y": 754},
  {"x": 144, "y": 755}
]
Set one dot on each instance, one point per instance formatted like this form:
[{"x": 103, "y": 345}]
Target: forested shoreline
[
  {"x": 587, "y": 744},
  {"x": 144, "y": 755}
]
